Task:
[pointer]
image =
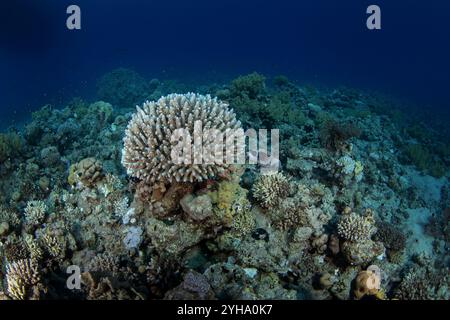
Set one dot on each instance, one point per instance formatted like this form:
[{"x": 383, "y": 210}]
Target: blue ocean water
[{"x": 323, "y": 42}]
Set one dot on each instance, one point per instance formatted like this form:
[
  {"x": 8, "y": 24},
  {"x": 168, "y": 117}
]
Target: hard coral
[
  {"x": 367, "y": 282},
  {"x": 270, "y": 189},
  {"x": 334, "y": 135},
  {"x": 86, "y": 173},
  {"x": 22, "y": 279},
  {"x": 353, "y": 227},
  {"x": 392, "y": 238},
  {"x": 35, "y": 212},
  {"x": 424, "y": 284},
  {"x": 147, "y": 152}
]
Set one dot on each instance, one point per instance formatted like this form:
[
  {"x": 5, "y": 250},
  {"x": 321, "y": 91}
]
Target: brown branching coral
[
  {"x": 14, "y": 249},
  {"x": 148, "y": 142},
  {"x": 9, "y": 217},
  {"x": 290, "y": 213},
  {"x": 424, "y": 284},
  {"x": 392, "y": 238},
  {"x": 106, "y": 288},
  {"x": 104, "y": 263},
  {"x": 334, "y": 135},
  {"x": 269, "y": 189},
  {"x": 195, "y": 286}
]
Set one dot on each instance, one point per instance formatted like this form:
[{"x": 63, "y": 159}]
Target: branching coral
[
  {"x": 35, "y": 212},
  {"x": 33, "y": 247},
  {"x": 353, "y": 227},
  {"x": 22, "y": 278},
  {"x": 392, "y": 238},
  {"x": 148, "y": 142},
  {"x": 270, "y": 189},
  {"x": 424, "y": 284},
  {"x": 356, "y": 232},
  {"x": 334, "y": 135},
  {"x": 8, "y": 220},
  {"x": 104, "y": 263}
]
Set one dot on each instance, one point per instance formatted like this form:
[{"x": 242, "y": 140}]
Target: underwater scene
[{"x": 224, "y": 150}]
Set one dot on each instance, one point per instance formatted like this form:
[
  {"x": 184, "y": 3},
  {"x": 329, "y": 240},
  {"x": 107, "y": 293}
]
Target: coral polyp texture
[{"x": 149, "y": 137}]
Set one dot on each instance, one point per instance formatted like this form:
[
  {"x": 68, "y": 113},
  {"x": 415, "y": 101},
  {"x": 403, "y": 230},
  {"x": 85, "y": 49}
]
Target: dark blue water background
[{"x": 322, "y": 42}]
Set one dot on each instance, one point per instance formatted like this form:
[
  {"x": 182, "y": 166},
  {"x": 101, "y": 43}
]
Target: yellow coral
[
  {"x": 368, "y": 282},
  {"x": 71, "y": 179},
  {"x": 359, "y": 167}
]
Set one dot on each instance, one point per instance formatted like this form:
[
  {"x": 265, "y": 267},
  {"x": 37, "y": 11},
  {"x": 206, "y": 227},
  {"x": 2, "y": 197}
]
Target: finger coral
[{"x": 147, "y": 152}]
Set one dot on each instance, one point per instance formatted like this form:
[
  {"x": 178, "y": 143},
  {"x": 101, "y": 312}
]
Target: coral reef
[
  {"x": 423, "y": 284},
  {"x": 75, "y": 192}
]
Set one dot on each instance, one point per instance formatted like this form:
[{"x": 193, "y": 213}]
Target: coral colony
[{"x": 155, "y": 202}]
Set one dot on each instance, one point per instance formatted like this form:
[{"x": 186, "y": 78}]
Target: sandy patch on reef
[
  {"x": 418, "y": 242},
  {"x": 429, "y": 188}
]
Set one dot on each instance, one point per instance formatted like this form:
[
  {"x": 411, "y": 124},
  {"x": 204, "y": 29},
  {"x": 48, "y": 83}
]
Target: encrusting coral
[
  {"x": 147, "y": 152},
  {"x": 86, "y": 173}
]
